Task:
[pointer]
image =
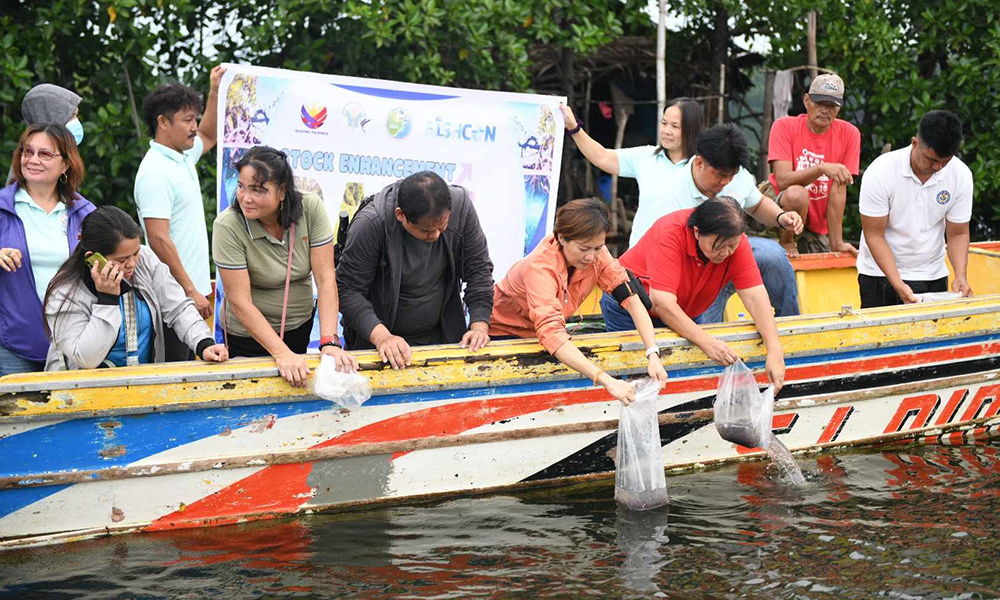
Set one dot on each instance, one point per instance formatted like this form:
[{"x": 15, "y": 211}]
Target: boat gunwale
[{"x": 598, "y": 342}]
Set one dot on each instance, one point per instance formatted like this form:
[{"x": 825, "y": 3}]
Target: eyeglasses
[{"x": 44, "y": 155}]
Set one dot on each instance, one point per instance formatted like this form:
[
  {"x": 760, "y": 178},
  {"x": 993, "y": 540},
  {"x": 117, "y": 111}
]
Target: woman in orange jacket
[{"x": 544, "y": 288}]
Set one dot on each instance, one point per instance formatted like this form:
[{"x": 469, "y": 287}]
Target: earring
[{"x": 63, "y": 178}]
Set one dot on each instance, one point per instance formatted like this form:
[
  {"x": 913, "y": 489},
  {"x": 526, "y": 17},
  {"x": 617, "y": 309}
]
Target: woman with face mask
[
  {"x": 111, "y": 312},
  {"x": 41, "y": 213},
  {"x": 48, "y": 103},
  {"x": 544, "y": 288}
]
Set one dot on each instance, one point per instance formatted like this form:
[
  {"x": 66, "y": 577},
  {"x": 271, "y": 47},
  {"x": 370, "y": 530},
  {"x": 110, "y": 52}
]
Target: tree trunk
[
  {"x": 720, "y": 58},
  {"x": 567, "y": 62},
  {"x": 661, "y": 66}
]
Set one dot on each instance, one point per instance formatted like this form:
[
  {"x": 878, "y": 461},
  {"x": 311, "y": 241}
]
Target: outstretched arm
[{"x": 602, "y": 158}]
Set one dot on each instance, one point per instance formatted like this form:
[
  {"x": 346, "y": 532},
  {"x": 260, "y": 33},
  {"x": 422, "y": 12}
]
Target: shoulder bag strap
[{"x": 288, "y": 279}]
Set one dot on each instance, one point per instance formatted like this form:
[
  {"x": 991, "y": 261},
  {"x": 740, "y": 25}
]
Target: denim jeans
[
  {"x": 11, "y": 363},
  {"x": 779, "y": 281},
  {"x": 617, "y": 318}
]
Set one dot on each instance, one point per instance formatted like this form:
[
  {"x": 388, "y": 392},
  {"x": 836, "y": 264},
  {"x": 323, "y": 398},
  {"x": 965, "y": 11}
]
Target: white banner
[{"x": 347, "y": 138}]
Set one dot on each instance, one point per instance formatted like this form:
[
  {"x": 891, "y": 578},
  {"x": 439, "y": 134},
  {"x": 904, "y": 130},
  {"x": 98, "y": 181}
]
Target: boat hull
[{"x": 191, "y": 445}]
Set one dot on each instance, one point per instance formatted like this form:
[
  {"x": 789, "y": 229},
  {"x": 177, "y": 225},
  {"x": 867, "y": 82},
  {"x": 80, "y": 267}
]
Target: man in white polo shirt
[
  {"x": 168, "y": 193},
  {"x": 912, "y": 199}
]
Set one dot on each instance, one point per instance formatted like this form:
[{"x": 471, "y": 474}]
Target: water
[
  {"x": 782, "y": 459},
  {"x": 902, "y": 523}
]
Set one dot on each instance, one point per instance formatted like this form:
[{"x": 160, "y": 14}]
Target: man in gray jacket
[{"x": 404, "y": 263}]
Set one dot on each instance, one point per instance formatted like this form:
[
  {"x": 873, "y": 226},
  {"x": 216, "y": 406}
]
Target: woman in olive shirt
[{"x": 250, "y": 248}]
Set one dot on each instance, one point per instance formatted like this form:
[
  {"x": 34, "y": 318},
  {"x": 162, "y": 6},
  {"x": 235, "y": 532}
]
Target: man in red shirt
[
  {"x": 813, "y": 159},
  {"x": 683, "y": 261}
]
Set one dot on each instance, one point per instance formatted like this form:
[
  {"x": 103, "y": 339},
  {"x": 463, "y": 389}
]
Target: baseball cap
[{"x": 827, "y": 88}]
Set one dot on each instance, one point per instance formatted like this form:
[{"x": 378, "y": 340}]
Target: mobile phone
[{"x": 96, "y": 258}]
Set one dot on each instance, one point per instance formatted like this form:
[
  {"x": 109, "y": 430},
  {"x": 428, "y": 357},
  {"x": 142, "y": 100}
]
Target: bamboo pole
[
  {"x": 811, "y": 43},
  {"x": 766, "y": 120},
  {"x": 661, "y": 66}
]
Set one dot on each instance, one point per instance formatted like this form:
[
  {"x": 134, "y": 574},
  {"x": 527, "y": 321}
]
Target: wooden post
[
  {"x": 811, "y": 42},
  {"x": 624, "y": 108},
  {"x": 588, "y": 179},
  {"x": 722, "y": 92},
  {"x": 767, "y": 118},
  {"x": 661, "y": 66}
]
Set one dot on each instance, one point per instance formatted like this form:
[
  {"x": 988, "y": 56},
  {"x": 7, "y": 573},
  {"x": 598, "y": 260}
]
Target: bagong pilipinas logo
[
  {"x": 313, "y": 115},
  {"x": 943, "y": 197},
  {"x": 398, "y": 123}
]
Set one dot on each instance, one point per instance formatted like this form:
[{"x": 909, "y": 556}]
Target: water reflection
[{"x": 918, "y": 522}]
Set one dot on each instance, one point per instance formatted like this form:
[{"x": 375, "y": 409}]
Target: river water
[{"x": 904, "y": 522}]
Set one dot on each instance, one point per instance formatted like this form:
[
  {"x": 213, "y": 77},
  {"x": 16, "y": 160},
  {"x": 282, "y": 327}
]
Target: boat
[{"x": 162, "y": 447}]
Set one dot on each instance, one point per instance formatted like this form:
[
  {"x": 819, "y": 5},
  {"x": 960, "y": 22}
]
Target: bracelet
[
  {"x": 652, "y": 350},
  {"x": 575, "y": 130},
  {"x": 777, "y": 221},
  {"x": 329, "y": 340},
  {"x": 598, "y": 376}
]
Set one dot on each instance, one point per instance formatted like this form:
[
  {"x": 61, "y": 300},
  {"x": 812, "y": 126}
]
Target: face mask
[{"x": 76, "y": 128}]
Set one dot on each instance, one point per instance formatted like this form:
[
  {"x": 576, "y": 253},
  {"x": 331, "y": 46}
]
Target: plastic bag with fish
[
  {"x": 742, "y": 413},
  {"x": 640, "y": 482},
  {"x": 349, "y": 390}
]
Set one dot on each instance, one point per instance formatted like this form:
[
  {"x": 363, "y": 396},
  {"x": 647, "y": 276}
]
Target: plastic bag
[
  {"x": 349, "y": 390},
  {"x": 742, "y": 413},
  {"x": 640, "y": 483},
  {"x": 936, "y": 296}
]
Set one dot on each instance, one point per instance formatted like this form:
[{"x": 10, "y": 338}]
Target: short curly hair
[{"x": 167, "y": 100}]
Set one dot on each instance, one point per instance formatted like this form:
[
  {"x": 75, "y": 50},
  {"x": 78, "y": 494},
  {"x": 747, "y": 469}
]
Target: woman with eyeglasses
[{"x": 41, "y": 213}]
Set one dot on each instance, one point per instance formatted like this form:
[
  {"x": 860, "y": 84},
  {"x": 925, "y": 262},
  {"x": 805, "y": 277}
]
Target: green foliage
[{"x": 900, "y": 60}]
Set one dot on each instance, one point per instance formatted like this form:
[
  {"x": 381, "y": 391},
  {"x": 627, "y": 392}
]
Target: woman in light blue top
[{"x": 679, "y": 128}]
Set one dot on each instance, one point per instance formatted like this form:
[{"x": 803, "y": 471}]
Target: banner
[{"x": 347, "y": 138}]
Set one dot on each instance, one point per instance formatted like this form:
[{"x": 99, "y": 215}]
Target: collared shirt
[
  {"x": 44, "y": 233},
  {"x": 667, "y": 259},
  {"x": 665, "y": 188},
  {"x": 167, "y": 187},
  {"x": 535, "y": 298},
  {"x": 917, "y": 213},
  {"x": 241, "y": 243}
]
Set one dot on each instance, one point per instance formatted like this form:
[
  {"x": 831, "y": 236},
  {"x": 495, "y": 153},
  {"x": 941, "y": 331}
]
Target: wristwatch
[{"x": 652, "y": 350}]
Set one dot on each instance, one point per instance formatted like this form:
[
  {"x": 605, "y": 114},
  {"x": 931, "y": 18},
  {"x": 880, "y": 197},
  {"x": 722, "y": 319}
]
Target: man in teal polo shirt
[{"x": 168, "y": 193}]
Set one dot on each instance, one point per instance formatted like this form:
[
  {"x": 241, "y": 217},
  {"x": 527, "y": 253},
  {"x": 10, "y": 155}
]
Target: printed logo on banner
[
  {"x": 943, "y": 197},
  {"x": 398, "y": 123},
  {"x": 469, "y": 132},
  {"x": 313, "y": 115},
  {"x": 356, "y": 116}
]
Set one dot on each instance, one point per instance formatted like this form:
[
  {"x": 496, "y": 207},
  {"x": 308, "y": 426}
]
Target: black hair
[
  {"x": 272, "y": 165},
  {"x": 724, "y": 147},
  {"x": 941, "y": 131},
  {"x": 721, "y": 216},
  {"x": 101, "y": 231},
  {"x": 423, "y": 194},
  {"x": 691, "y": 123},
  {"x": 582, "y": 219},
  {"x": 167, "y": 100}
]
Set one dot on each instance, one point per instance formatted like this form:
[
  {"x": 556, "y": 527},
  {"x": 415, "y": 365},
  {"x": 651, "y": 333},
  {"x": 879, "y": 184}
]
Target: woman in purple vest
[{"x": 40, "y": 207}]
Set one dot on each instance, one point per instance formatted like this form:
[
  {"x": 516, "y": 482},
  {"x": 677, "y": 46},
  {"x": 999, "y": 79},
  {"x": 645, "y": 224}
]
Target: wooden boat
[{"x": 89, "y": 453}]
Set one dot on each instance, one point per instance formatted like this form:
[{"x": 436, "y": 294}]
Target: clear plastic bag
[
  {"x": 936, "y": 296},
  {"x": 742, "y": 413},
  {"x": 349, "y": 390},
  {"x": 640, "y": 482}
]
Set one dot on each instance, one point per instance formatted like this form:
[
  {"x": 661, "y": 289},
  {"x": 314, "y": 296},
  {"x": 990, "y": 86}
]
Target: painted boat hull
[{"x": 192, "y": 444}]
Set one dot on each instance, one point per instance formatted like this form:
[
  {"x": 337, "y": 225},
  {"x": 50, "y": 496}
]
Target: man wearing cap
[{"x": 814, "y": 157}]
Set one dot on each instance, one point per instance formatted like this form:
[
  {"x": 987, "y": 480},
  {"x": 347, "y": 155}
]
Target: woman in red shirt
[
  {"x": 544, "y": 288},
  {"x": 684, "y": 260}
]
